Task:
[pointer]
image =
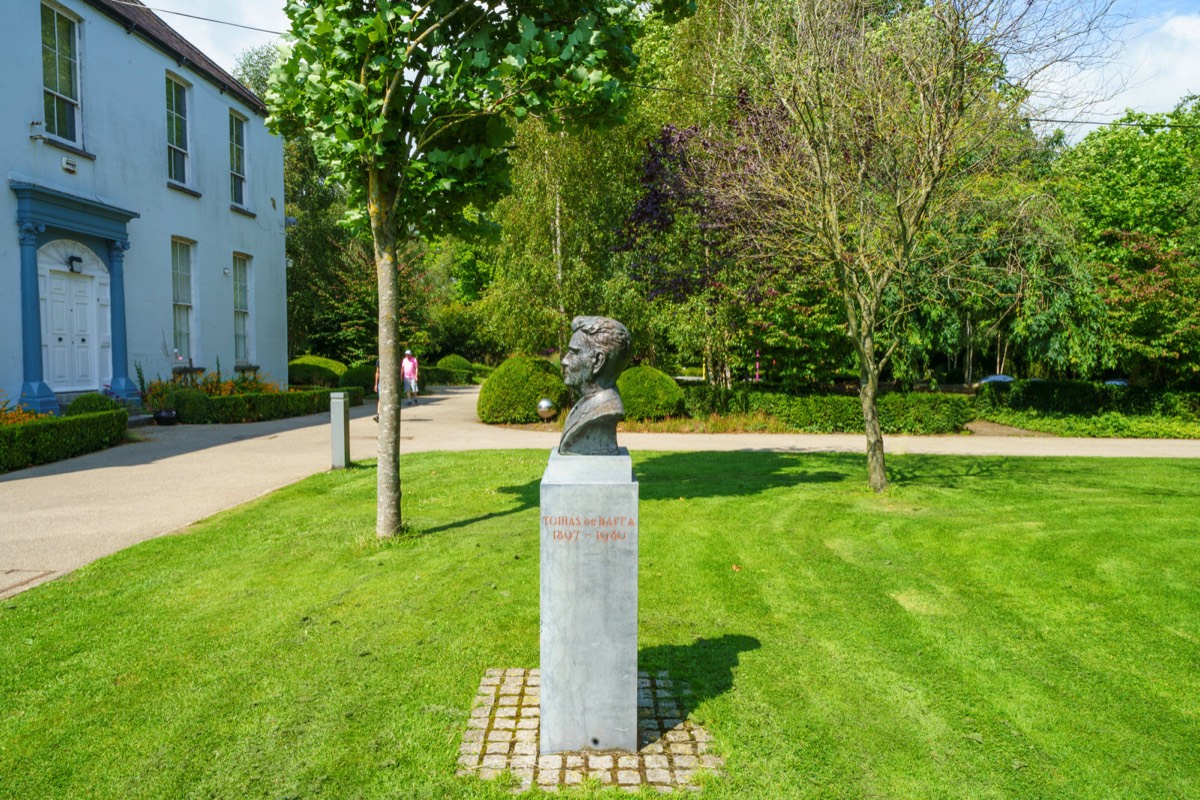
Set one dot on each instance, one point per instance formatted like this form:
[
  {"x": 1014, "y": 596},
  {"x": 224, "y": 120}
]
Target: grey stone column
[{"x": 589, "y": 567}]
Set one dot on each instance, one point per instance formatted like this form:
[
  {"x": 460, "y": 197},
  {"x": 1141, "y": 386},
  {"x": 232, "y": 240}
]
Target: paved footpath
[{"x": 58, "y": 517}]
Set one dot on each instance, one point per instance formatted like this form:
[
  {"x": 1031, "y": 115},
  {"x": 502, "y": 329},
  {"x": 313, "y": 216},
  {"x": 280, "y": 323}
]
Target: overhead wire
[{"x": 1113, "y": 123}]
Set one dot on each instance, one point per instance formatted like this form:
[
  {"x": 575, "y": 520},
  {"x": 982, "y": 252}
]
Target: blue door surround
[{"x": 44, "y": 214}]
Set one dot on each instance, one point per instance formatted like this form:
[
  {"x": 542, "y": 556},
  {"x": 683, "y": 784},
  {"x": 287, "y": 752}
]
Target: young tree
[
  {"x": 862, "y": 120},
  {"x": 409, "y": 104}
]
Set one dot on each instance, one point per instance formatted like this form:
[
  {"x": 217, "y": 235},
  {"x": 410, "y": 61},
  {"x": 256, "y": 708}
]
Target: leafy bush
[
  {"x": 362, "y": 375},
  {"x": 1084, "y": 398},
  {"x": 454, "y": 362},
  {"x": 1107, "y": 425},
  {"x": 91, "y": 403},
  {"x": 703, "y": 399},
  {"x": 438, "y": 376},
  {"x": 512, "y": 392},
  {"x": 649, "y": 394},
  {"x": 315, "y": 371},
  {"x": 481, "y": 371},
  {"x": 49, "y": 439}
]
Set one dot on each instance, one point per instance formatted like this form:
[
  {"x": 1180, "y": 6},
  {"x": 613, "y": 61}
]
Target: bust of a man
[{"x": 598, "y": 351}]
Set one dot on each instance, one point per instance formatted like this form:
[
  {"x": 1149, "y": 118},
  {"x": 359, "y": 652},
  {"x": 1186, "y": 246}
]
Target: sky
[{"x": 1158, "y": 65}]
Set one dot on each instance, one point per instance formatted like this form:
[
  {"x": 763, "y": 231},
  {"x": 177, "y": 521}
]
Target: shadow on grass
[
  {"x": 528, "y": 495},
  {"x": 669, "y": 476},
  {"x": 706, "y": 665}
]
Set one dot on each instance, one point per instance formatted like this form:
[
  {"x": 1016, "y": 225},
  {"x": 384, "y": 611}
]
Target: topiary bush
[
  {"x": 315, "y": 371},
  {"x": 511, "y": 393},
  {"x": 454, "y": 362},
  {"x": 360, "y": 375},
  {"x": 649, "y": 394},
  {"x": 91, "y": 403}
]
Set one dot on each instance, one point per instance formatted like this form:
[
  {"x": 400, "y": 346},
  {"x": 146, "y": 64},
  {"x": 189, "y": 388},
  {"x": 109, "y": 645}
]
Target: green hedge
[
  {"x": 196, "y": 408},
  {"x": 511, "y": 393},
  {"x": 437, "y": 376},
  {"x": 1084, "y": 398},
  {"x": 362, "y": 375},
  {"x": 481, "y": 372},
  {"x": 55, "y": 438},
  {"x": 649, "y": 394},
  {"x": 91, "y": 403},
  {"x": 899, "y": 412},
  {"x": 315, "y": 371}
]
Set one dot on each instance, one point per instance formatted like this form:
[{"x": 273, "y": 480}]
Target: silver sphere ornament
[{"x": 546, "y": 409}]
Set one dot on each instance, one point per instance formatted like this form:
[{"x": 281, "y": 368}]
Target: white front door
[
  {"x": 71, "y": 332},
  {"x": 70, "y": 301}
]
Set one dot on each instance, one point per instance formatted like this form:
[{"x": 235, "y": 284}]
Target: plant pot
[{"x": 165, "y": 416}]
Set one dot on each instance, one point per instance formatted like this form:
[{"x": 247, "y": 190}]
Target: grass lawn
[{"x": 991, "y": 628}]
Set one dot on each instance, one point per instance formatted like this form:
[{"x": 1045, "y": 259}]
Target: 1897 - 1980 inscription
[{"x": 596, "y": 529}]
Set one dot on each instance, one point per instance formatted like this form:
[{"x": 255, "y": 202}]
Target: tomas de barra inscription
[{"x": 600, "y": 528}]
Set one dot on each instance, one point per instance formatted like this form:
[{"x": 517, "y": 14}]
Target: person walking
[{"x": 409, "y": 370}]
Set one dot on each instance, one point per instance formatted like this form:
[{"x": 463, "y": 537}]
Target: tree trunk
[
  {"x": 868, "y": 392},
  {"x": 388, "y": 521}
]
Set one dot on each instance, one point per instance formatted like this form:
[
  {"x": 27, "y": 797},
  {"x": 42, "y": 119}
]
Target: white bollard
[{"x": 339, "y": 424}]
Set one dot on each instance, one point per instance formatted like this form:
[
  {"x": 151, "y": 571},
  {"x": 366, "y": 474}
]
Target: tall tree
[
  {"x": 409, "y": 104},
  {"x": 862, "y": 121},
  {"x": 1134, "y": 190}
]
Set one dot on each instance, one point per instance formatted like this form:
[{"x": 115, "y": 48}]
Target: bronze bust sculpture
[{"x": 598, "y": 351}]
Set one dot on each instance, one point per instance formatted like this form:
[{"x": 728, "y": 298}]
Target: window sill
[
  {"x": 67, "y": 146},
  {"x": 179, "y": 187},
  {"x": 246, "y": 367},
  {"x": 242, "y": 210},
  {"x": 187, "y": 370}
]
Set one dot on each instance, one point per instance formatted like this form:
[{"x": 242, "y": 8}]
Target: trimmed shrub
[
  {"x": 439, "y": 376},
  {"x": 454, "y": 362},
  {"x": 257, "y": 407},
  {"x": 480, "y": 372},
  {"x": 362, "y": 375},
  {"x": 649, "y": 394},
  {"x": 899, "y": 412},
  {"x": 191, "y": 405},
  {"x": 43, "y": 441},
  {"x": 315, "y": 371},
  {"x": 511, "y": 393},
  {"x": 91, "y": 403},
  {"x": 1084, "y": 398}
]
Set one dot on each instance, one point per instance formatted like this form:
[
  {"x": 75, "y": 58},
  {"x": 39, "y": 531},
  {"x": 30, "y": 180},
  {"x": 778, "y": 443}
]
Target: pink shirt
[{"x": 408, "y": 368}]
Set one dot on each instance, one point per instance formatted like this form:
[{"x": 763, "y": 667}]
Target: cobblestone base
[{"x": 502, "y": 735}]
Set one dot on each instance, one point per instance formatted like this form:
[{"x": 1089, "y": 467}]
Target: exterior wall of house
[{"x": 119, "y": 162}]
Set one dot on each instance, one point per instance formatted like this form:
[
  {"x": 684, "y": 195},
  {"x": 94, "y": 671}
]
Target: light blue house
[{"x": 146, "y": 202}]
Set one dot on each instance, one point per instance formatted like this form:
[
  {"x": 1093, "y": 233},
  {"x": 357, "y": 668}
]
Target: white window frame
[
  {"x": 237, "y": 160},
  {"x": 183, "y": 307},
  {"x": 54, "y": 93},
  {"x": 178, "y": 130},
  {"x": 243, "y": 339}
]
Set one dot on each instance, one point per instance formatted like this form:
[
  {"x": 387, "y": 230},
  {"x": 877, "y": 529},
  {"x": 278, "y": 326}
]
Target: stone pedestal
[
  {"x": 589, "y": 558},
  {"x": 339, "y": 428}
]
